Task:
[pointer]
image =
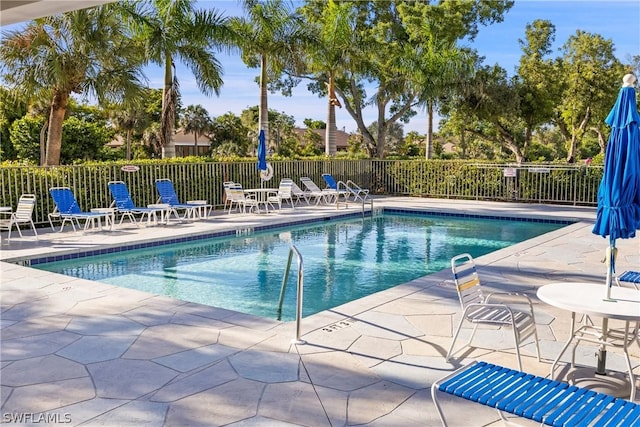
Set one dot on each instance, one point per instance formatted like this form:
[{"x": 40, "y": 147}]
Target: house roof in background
[{"x": 15, "y": 11}]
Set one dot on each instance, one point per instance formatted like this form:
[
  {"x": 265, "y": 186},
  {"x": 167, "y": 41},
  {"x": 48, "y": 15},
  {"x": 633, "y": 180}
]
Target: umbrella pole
[{"x": 602, "y": 352}]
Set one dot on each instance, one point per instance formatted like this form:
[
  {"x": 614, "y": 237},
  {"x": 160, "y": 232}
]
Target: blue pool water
[{"x": 343, "y": 260}]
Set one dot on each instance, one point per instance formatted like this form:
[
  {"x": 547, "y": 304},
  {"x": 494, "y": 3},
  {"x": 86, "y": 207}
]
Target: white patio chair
[
  {"x": 240, "y": 199},
  {"x": 227, "y": 197},
  {"x": 22, "y": 215},
  {"x": 284, "y": 194},
  {"x": 480, "y": 309}
]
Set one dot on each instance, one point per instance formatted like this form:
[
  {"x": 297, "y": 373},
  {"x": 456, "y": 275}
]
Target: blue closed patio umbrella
[
  {"x": 266, "y": 171},
  {"x": 618, "y": 214}
]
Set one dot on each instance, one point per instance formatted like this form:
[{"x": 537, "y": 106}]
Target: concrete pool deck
[{"x": 76, "y": 352}]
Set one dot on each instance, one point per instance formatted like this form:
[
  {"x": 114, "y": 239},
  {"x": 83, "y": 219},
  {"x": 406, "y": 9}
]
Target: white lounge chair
[{"x": 315, "y": 192}]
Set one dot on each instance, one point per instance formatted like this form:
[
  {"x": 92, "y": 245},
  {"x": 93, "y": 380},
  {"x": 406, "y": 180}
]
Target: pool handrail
[{"x": 299, "y": 293}]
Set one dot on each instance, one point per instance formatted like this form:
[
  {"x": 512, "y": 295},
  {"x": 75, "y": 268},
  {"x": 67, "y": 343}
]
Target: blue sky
[{"x": 615, "y": 20}]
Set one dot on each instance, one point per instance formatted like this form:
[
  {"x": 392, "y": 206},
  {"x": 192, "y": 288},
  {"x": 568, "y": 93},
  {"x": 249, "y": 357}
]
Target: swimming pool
[{"x": 344, "y": 260}]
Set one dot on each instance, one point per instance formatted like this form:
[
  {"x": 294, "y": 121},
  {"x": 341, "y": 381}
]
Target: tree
[
  {"x": 172, "y": 30},
  {"x": 195, "y": 119},
  {"x": 229, "y": 136},
  {"x": 592, "y": 77},
  {"x": 128, "y": 120},
  {"x": 11, "y": 109},
  {"x": 326, "y": 52},
  {"x": 269, "y": 38},
  {"x": 380, "y": 53},
  {"x": 86, "y": 52}
]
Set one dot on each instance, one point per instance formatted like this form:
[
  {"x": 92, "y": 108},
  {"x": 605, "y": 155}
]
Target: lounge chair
[
  {"x": 67, "y": 209},
  {"x": 298, "y": 194},
  {"x": 478, "y": 308},
  {"x": 168, "y": 196},
  {"x": 124, "y": 204},
  {"x": 346, "y": 189},
  {"x": 315, "y": 192},
  {"x": 22, "y": 215},
  {"x": 284, "y": 194}
]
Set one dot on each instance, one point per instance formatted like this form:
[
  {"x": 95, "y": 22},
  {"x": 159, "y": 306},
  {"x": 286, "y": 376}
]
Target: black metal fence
[{"x": 532, "y": 183}]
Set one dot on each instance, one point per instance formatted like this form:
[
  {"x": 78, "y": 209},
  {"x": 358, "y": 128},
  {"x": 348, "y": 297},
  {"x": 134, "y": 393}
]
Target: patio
[{"x": 76, "y": 352}]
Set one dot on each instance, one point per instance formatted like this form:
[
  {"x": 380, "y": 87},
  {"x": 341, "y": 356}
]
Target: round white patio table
[
  {"x": 589, "y": 299},
  {"x": 261, "y": 195}
]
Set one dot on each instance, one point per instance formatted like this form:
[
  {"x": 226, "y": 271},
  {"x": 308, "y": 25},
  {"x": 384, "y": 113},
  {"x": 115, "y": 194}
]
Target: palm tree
[
  {"x": 269, "y": 38},
  {"x": 86, "y": 52},
  {"x": 196, "y": 120},
  {"x": 326, "y": 54},
  {"x": 173, "y": 30},
  {"x": 129, "y": 120}
]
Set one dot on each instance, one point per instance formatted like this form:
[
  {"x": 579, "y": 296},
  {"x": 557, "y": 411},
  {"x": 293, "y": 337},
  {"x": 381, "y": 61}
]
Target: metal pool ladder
[{"x": 300, "y": 287}]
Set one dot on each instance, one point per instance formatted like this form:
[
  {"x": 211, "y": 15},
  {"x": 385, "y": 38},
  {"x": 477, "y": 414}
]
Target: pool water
[{"x": 343, "y": 260}]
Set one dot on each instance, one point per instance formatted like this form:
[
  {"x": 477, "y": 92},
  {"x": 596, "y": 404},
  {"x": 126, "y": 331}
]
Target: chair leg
[
  {"x": 35, "y": 233},
  {"x": 450, "y": 353}
]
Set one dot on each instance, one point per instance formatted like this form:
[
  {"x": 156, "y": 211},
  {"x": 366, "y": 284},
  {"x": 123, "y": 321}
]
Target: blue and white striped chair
[{"x": 478, "y": 308}]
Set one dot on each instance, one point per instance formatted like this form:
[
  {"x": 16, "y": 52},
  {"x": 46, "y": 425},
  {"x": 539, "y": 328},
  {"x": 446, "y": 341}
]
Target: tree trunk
[
  {"x": 330, "y": 131},
  {"x": 168, "y": 112},
  {"x": 263, "y": 111},
  {"x": 43, "y": 143},
  {"x": 129, "y": 131},
  {"x": 382, "y": 130},
  {"x": 195, "y": 142},
  {"x": 428, "y": 151},
  {"x": 56, "y": 120}
]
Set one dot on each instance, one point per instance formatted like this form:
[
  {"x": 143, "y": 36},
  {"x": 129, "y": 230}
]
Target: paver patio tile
[
  {"x": 266, "y": 367},
  {"x": 261, "y": 422},
  {"x": 191, "y": 359},
  {"x": 426, "y": 346},
  {"x": 128, "y": 379},
  {"x": 335, "y": 404},
  {"x": 385, "y": 325},
  {"x": 97, "y": 348},
  {"x": 104, "y": 325},
  {"x": 241, "y": 337},
  {"x": 405, "y": 370},
  {"x": 293, "y": 402},
  {"x": 49, "y": 396},
  {"x": 190, "y": 384},
  {"x": 38, "y": 370},
  {"x": 36, "y": 345},
  {"x": 371, "y": 402},
  {"x": 162, "y": 340},
  {"x": 38, "y": 326},
  {"x": 230, "y": 402},
  {"x": 338, "y": 370},
  {"x": 78, "y": 413},
  {"x": 150, "y": 316},
  {"x": 182, "y": 318},
  {"x": 133, "y": 414},
  {"x": 432, "y": 325},
  {"x": 372, "y": 351}
]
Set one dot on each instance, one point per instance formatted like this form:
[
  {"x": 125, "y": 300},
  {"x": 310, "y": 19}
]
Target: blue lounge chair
[
  {"x": 67, "y": 209},
  {"x": 124, "y": 204},
  {"x": 169, "y": 197}
]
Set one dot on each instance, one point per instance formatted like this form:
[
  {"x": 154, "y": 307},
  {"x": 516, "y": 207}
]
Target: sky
[
  {"x": 498, "y": 43},
  {"x": 618, "y": 21}
]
